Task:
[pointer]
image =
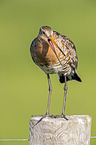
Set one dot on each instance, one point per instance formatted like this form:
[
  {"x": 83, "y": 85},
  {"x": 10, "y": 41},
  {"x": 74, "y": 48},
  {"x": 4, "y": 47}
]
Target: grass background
[{"x": 23, "y": 85}]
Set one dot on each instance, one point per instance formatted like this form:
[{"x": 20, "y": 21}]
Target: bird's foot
[
  {"x": 42, "y": 116},
  {"x": 48, "y": 115},
  {"x": 63, "y": 116},
  {"x": 59, "y": 116}
]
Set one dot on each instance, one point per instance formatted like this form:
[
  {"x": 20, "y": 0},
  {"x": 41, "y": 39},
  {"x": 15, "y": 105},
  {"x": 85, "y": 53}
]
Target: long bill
[
  {"x": 57, "y": 46},
  {"x": 50, "y": 42}
]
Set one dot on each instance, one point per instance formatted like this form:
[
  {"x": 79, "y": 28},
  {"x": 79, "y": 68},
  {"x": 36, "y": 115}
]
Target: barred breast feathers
[{"x": 68, "y": 47}]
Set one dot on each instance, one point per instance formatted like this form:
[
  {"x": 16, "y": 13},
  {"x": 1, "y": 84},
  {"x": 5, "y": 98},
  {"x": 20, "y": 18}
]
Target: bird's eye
[
  {"x": 43, "y": 32},
  {"x": 49, "y": 39}
]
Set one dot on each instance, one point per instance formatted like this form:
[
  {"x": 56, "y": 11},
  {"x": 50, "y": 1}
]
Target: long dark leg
[
  {"x": 65, "y": 93},
  {"x": 47, "y": 113},
  {"x": 50, "y": 90}
]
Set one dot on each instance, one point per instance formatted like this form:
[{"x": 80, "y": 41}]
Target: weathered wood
[{"x": 58, "y": 131}]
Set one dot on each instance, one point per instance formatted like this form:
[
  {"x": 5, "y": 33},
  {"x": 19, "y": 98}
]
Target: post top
[{"x": 75, "y": 118}]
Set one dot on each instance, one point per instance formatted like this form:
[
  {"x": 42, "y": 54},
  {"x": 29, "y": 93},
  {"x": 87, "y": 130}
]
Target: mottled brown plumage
[{"x": 55, "y": 53}]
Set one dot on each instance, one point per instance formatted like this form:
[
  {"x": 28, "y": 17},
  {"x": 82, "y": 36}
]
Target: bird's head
[{"x": 46, "y": 34}]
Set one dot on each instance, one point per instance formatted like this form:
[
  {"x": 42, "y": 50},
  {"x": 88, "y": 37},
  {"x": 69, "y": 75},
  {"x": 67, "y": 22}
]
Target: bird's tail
[{"x": 74, "y": 76}]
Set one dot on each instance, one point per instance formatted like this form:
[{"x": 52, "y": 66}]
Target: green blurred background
[{"x": 23, "y": 85}]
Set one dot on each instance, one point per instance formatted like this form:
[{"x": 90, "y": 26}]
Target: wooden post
[{"x": 58, "y": 131}]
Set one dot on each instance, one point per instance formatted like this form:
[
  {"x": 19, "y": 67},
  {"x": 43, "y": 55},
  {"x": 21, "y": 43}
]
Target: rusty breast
[{"x": 43, "y": 54}]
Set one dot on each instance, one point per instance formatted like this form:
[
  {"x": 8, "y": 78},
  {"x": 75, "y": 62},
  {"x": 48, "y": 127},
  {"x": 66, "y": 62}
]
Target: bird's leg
[
  {"x": 65, "y": 93},
  {"x": 50, "y": 90},
  {"x": 47, "y": 113}
]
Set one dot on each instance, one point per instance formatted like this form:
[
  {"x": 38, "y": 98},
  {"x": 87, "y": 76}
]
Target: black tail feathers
[{"x": 74, "y": 76}]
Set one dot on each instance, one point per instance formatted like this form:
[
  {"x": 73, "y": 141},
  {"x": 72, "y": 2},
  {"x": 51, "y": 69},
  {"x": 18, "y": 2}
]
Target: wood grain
[{"x": 58, "y": 131}]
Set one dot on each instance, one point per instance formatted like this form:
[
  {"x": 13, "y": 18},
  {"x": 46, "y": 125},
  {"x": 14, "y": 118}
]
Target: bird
[{"x": 55, "y": 53}]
